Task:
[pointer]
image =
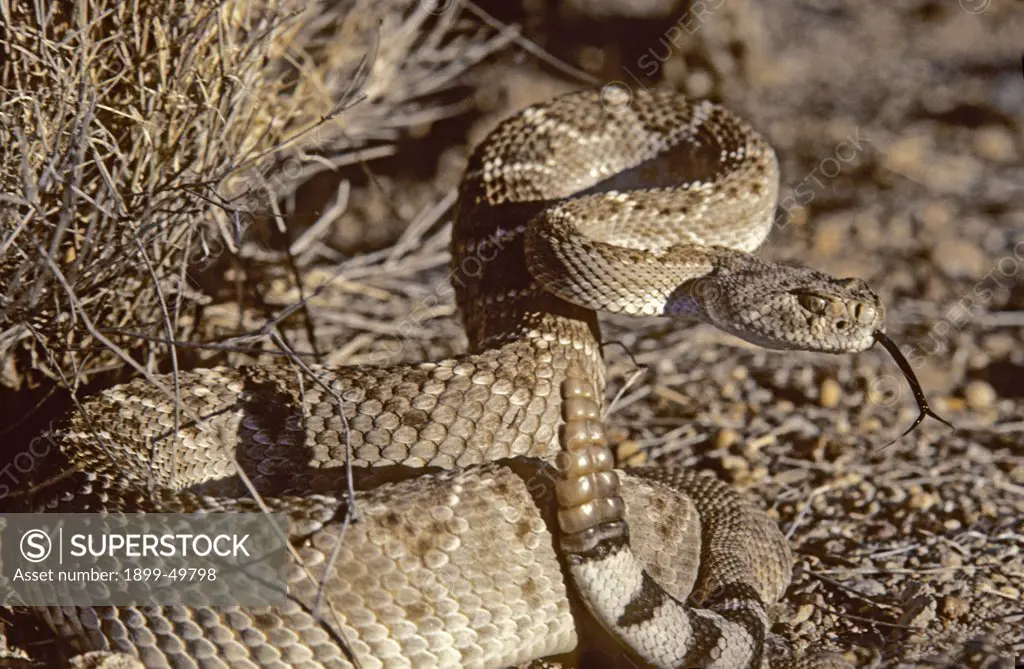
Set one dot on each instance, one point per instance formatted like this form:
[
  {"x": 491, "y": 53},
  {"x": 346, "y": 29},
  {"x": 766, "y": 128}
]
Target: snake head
[{"x": 783, "y": 307}]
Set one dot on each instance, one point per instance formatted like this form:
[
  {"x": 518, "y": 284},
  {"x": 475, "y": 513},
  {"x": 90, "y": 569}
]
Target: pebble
[
  {"x": 628, "y": 454},
  {"x": 921, "y": 500},
  {"x": 831, "y": 393},
  {"x": 979, "y": 395},
  {"x": 831, "y": 237},
  {"x": 753, "y": 446},
  {"x": 936, "y": 214},
  {"x": 918, "y": 159},
  {"x": 785, "y": 406},
  {"x": 918, "y": 605},
  {"x": 883, "y": 530},
  {"x": 1010, "y": 591},
  {"x": 726, "y": 437},
  {"x": 960, "y": 259},
  {"x": 870, "y": 424},
  {"x": 954, "y": 608},
  {"x": 735, "y": 465},
  {"x": 995, "y": 144},
  {"x": 871, "y": 588},
  {"x": 999, "y": 345},
  {"x": 803, "y": 614},
  {"x": 699, "y": 84},
  {"x": 979, "y": 360}
]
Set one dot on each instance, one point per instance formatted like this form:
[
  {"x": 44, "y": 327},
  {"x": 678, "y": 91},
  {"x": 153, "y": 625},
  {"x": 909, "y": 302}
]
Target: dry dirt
[
  {"x": 898, "y": 127},
  {"x": 899, "y": 130}
]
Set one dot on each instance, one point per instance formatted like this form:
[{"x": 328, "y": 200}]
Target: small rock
[
  {"x": 954, "y": 608},
  {"x": 936, "y": 214},
  {"x": 832, "y": 236},
  {"x": 870, "y": 424},
  {"x": 785, "y": 406},
  {"x": 952, "y": 561},
  {"x": 803, "y": 614},
  {"x": 628, "y": 454},
  {"x": 979, "y": 360},
  {"x": 870, "y": 587},
  {"x": 951, "y": 403},
  {"x": 999, "y": 345},
  {"x": 995, "y": 144},
  {"x": 919, "y": 605},
  {"x": 753, "y": 446},
  {"x": 831, "y": 393},
  {"x": 960, "y": 259},
  {"x": 726, "y": 437},
  {"x": 979, "y": 395},
  {"x": 883, "y": 530},
  {"x": 735, "y": 465},
  {"x": 1010, "y": 591},
  {"x": 922, "y": 500}
]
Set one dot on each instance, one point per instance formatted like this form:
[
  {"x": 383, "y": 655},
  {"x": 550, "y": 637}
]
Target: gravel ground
[
  {"x": 899, "y": 133},
  {"x": 898, "y": 129}
]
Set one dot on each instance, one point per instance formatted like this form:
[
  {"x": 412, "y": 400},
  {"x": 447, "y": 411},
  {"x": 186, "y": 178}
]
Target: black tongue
[{"x": 915, "y": 386}]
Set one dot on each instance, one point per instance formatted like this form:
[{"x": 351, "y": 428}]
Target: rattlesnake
[{"x": 522, "y": 534}]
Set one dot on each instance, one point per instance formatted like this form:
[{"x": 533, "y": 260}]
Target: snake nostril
[{"x": 841, "y": 325}]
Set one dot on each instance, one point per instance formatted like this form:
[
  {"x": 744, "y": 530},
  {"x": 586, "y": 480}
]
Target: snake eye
[{"x": 813, "y": 303}]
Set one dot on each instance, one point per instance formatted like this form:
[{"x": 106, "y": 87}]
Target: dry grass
[{"x": 139, "y": 141}]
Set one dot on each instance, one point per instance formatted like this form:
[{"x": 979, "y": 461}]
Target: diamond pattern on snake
[{"x": 494, "y": 530}]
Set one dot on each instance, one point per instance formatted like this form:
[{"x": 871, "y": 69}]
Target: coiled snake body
[{"x": 522, "y": 528}]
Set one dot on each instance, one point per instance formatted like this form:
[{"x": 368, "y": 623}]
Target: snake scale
[{"x": 493, "y": 529}]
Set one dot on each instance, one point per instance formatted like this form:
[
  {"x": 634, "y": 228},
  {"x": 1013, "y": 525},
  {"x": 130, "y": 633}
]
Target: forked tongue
[{"x": 915, "y": 386}]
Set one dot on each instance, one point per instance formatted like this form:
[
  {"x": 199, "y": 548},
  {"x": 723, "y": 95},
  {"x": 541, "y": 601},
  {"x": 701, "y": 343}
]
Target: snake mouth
[{"x": 915, "y": 386}]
